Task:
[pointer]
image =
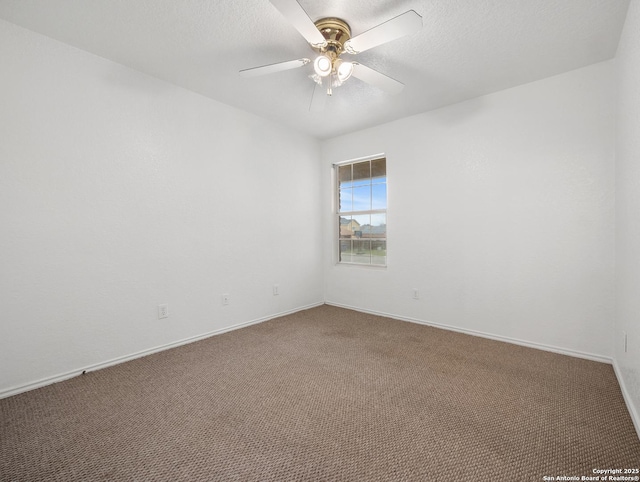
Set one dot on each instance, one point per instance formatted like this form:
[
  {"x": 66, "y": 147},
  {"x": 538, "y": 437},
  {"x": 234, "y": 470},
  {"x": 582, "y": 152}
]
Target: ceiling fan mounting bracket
[{"x": 336, "y": 32}]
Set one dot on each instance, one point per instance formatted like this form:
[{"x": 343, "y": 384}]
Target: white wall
[
  {"x": 501, "y": 214},
  {"x": 628, "y": 209},
  {"x": 119, "y": 192}
]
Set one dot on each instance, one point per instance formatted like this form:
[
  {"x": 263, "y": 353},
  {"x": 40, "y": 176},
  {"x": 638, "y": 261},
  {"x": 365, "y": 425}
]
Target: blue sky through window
[{"x": 363, "y": 194}]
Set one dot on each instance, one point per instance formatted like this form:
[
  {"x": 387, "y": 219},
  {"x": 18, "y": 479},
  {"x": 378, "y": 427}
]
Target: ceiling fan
[{"x": 330, "y": 38}]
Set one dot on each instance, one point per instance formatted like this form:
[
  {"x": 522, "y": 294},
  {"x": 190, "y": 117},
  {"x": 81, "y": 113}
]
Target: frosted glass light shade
[
  {"x": 343, "y": 70},
  {"x": 322, "y": 65}
]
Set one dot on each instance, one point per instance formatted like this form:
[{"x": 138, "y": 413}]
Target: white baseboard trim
[
  {"x": 627, "y": 398},
  {"x": 515, "y": 341},
  {"x": 122, "y": 359}
]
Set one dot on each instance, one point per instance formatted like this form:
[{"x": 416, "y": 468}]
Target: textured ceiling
[{"x": 466, "y": 48}]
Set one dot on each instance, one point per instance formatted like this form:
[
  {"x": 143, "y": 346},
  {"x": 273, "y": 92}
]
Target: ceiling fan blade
[
  {"x": 318, "y": 99},
  {"x": 272, "y": 68},
  {"x": 405, "y": 24},
  {"x": 377, "y": 79},
  {"x": 293, "y": 12}
]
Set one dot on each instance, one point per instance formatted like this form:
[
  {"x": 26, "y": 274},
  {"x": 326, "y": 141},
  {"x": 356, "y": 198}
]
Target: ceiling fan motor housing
[{"x": 336, "y": 32}]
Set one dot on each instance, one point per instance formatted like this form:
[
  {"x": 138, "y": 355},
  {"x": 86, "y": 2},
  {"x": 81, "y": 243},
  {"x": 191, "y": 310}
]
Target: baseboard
[
  {"x": 116, "y": 361},
  {"x": 627, "y": 398},
  {"x": 515, "y": 341}
]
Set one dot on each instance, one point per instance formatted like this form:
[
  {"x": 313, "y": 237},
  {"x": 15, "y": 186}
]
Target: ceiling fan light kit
[
  {"x": 328, "y": 63},
  {"x": 330, "y": 37}
]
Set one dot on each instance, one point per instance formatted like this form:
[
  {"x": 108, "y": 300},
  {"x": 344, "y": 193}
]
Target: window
[{"x": 362, "y": 212}]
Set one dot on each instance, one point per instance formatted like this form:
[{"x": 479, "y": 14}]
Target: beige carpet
[{"x": 325, "y": 394}]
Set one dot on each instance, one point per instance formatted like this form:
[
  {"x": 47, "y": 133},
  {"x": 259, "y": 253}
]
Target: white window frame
[{"x": 337, "y": 214}]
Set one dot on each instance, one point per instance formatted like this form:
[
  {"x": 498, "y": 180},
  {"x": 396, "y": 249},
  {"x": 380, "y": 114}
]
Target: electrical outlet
[
  {"x": 163, "y": 311},
  {"x": 276, "y": 290},
  {"x": 225, "y": 299},
  {"x": 416, "y": 294}
]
